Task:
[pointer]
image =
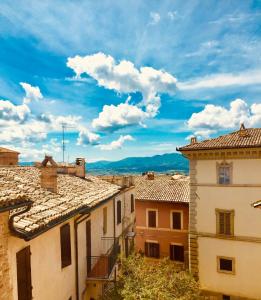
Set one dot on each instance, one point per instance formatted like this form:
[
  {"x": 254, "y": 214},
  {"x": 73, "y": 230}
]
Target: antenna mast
[{"x": 64, "y": 126}]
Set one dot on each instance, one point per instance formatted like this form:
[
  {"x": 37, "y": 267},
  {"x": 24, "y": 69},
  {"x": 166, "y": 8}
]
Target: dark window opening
[
  {"x": 118, "y": 212},
  {"x": 176, "y": 220},
  {"x": 152, "y": 222},
  {"x": 177, "y": 253},
  {"x": 226, "y": 297},
  {"x": 65, "y": 237},
  {"x": 226, "y": 264},
  {"x": 132, "y": 203},
  {"x": 152, "y": 250}
]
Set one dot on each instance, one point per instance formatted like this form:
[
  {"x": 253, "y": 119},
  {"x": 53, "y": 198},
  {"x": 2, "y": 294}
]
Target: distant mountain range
[{"x": 166, "y": 163}]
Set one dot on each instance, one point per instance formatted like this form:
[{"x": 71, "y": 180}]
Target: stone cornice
[{"x": 220, "y": 154}]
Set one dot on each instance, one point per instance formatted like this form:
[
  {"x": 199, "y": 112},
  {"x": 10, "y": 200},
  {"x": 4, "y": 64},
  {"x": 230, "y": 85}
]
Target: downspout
[
  {"x": 114, "y": 230},
  {"x": 77, "y": 221}
]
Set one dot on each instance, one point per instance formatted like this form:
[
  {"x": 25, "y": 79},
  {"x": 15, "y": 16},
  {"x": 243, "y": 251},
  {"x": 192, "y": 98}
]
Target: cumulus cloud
[
  {"x": 116, "y": 144},
  {"x": 213, "y": 117},
  {"x": 32, "y": 93},
  {"x": 113, "y": 117},
  {"x": 87, "y": 137},
  {"x": 222, "y": 80},
  {"x": 155, "y": 18},
  {"x": 124, "y": 77},
  {"x": 10, "y": 112}
]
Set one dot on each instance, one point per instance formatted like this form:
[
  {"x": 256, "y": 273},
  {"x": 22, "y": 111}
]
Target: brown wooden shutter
[
  {"x": 157, "y": 250},
  {"x": 221, "y": 223},
  {"x": 24, "y": 283},
  {"x": 146, "y": 249},
  {"x": 65, "y": 238},
  {"x": 104, "y": 220},
  {"x": 152, "y": 218},
  {"x": 132, "y": 203},
  {"x": 227, "y": 223},
  {"x": 118, "y": 212},
  {"x": 176, "y": 220},
  {"x": 88, "y": 246},
  {"x": 179, "y": 253}
]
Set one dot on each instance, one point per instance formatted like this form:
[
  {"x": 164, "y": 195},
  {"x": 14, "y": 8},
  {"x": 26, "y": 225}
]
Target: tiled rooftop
[
  {"x": 73, "y": 194},
  {"x": 162, "y": 188},
  {"x": 245, "y": 138}
]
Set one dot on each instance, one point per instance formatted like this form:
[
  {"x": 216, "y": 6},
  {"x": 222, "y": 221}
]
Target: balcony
[{"x": 100, "y": 267}]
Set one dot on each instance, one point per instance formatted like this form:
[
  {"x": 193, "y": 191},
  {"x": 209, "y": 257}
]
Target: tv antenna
[{"x": 64, "y": 127}]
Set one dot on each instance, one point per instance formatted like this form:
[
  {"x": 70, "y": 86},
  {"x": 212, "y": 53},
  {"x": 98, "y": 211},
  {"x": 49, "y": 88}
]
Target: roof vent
[
  {"x": 242, "y": 130},
  {"x": 193, "y": 140},
  {"x": 49, "y": 174}
]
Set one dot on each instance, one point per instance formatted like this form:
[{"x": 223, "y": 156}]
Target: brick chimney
[
  {"x": 193, "y": 140},
  {"x": 80, "y": 167},
  {"x": 49, "y": 174}
]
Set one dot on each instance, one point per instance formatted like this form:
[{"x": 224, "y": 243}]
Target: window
[
  {"x": 176, "y": 220},
  {"x": 24, "y": 284},
  {"x": 177, "y": 253},
  {"x": 224, "y": 172},
  {"x": 225, "y": 222},
  {"x": 65, "y": 238},
  {"x": 226, "y": 297},
  {"x": 152, "y": 218},
  {"x": 132, "y": 203},
  {"x": 152, "y": 249},
  {"x": 104, "y": 220},
  {"x": 226, "y": 265},
  {"x": 118, "y": 212}
]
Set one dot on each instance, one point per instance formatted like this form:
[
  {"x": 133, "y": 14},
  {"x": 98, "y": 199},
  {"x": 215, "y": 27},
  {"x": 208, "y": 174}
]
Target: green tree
[{"x": 141, "y": 279}]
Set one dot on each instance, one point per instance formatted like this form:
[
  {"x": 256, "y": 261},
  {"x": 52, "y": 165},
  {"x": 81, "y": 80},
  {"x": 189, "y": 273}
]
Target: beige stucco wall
[
  {"x": 49, "y": 280},
  {"x": 246, "y": 281},
  {"x": 239, "y": 196}
]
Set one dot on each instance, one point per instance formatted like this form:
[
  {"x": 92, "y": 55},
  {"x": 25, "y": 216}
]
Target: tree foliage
[{"x": 141, "y": 279}]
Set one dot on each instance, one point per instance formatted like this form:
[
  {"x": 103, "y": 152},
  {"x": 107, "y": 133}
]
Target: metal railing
[{"x": 100, "y": 267}]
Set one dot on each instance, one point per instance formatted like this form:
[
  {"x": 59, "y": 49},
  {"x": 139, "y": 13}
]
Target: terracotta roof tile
[
  {"x": 162, "y": 188},
  {"x": 73, "y": 194},
  {"x": 251, "y": 137}
]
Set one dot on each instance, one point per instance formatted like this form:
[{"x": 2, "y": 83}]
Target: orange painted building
[{"x": 162, "y": 216}]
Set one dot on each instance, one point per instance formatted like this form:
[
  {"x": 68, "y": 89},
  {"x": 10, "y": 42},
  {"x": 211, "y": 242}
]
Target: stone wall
[{"x": 5, "y": 283}]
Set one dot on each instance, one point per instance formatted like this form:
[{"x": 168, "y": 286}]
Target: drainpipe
[{"x": 77, "y": 221}]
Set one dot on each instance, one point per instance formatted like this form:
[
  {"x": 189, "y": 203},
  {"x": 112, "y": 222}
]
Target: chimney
[
  {"x": 150, "y": 175},
  {"x": 49, "y": 174},
  {"x": 193, "y": 140},
  {"x": 80, "y": 167},
  {"x": 242, "y": 130}
]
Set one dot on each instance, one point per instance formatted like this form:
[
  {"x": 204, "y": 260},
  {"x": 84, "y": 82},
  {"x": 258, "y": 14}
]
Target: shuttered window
[
  {"x": 176, "y": 253},
  {"x": 132, "y": 203},
  {"x": 24, "y": 283},
  {"x": 118, "y": 212},
  {"x": 176, "y": 220},
  {"x": 104, "y": 220},
  {"x": 225, "y": 222},
  {"x": 65, "y": 239},
  {"x": 152, "y": 249},
  {"x": 152, "y": 218},
  {"x": 224, "y": 173}
]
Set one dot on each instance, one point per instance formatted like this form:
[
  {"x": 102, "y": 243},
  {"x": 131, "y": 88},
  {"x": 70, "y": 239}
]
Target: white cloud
[
  {"x": 222, "y": 80},
  {"x": 116, "y": 144},
  {"x": 172, "y": 15},
  {"x": 155, "y": 18},
  {"x": 87, "y": 137},
  {"x": 113, "y": 117},
  {"x": 213, "y": 118},
  {"x": 125, "y": 78},
  {"x": 32, "y": 93},
  {"x": 13, "y": 113}
]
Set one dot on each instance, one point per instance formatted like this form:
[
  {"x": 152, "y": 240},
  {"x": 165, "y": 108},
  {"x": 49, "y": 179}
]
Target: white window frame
[
  {"x": 181, "y": 219},
  {"x": 147, "y": 217}
]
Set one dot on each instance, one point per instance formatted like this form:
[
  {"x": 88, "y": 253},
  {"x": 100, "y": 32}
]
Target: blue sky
[{"x": 128, "y": 78}]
